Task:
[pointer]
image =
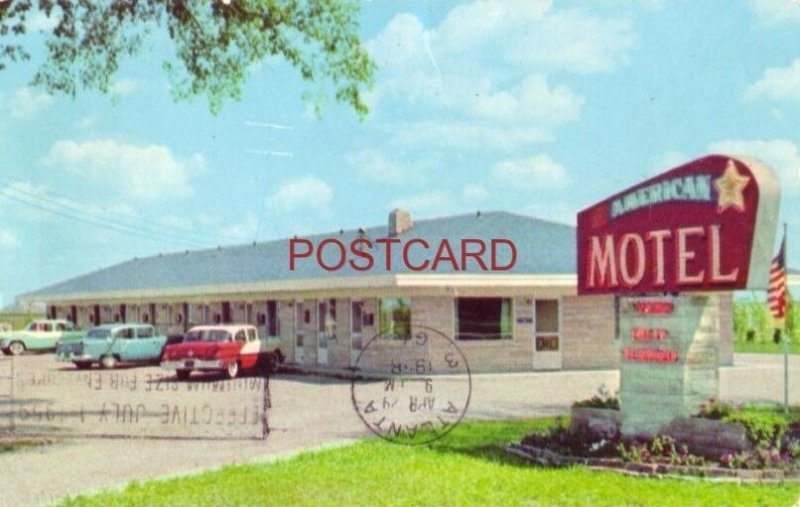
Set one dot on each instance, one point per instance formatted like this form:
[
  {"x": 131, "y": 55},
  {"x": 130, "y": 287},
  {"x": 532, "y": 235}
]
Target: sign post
[{"x": 665, "y": 246}]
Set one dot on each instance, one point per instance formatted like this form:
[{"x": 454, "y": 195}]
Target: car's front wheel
[
  {"x": 232, "y": 370},
  {"x": 183, "y": 374},
  {"x": 83, "y": 365},
  {"x": 108, "y": 362},
  {"x": 16, "y": 348}
]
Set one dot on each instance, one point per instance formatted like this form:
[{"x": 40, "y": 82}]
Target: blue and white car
[{"x": 110, "y": 344}]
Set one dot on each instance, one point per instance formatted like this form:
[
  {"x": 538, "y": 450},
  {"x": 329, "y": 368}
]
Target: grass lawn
[
  {"x": 467, "y": 467},
  {"x": 763, "y": 348}
]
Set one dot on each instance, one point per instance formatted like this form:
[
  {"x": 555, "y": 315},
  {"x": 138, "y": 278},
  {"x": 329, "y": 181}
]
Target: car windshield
[
  {"x": 98, "y": 333},
  {"x": 208, "y": 335}
]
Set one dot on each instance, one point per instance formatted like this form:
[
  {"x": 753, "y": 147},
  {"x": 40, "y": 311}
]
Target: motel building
[{"x": 503, "y": 286}]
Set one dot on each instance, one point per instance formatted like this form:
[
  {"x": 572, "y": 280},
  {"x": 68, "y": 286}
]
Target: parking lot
[{"x": 304, "y": 412}]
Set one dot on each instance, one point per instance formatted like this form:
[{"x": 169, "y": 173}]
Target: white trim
[
  {"x": 294, "y": 286},
  {"x": 769, "y": 198}
]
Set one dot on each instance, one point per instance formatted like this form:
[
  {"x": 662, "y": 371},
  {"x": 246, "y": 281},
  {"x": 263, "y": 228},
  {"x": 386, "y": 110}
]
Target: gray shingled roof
[{"x": 543, "y": 247}]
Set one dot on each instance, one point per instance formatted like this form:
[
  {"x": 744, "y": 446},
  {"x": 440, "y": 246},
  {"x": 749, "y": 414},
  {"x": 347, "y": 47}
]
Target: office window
[
  {"x": 483, "y": 319},
  {"x": 395, "y": 318}
]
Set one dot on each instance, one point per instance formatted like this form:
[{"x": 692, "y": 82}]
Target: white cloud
[
  {"x": 485, "y": 68},
  {"x": 474, "y": 193},
  {"x": 538, "y": 171},
  {"x": 780, "y": 154},
  {"x": 124, "y": 87},
  {"x": 308, "y": 193},
  {"x": 777, "y": 83},
  {"x": 574, "y": 41},
  {"x": 426, "y": 204},
  {"x": 88, "y": 121},
  {"x": 463, "y": 135},
  {"x": 8, "y": 239},
  {"x": 667, "y": 160},
  {"x": 533, "y": 100},
  {"x": 374, "y": 166},
  {"x": 245, "y": 229},
  {"x": 142, "y": 172},
  {"x": 27, "y": 103},
  {"x": 776, "y": 11}
]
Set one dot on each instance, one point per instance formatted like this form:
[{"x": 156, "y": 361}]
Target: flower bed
[
  {"x": 753, "y": 444},
  {"x": 546, "y": 457}
]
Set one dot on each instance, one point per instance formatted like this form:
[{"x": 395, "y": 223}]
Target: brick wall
[
  {"x": 726, "y": 335},
  {"x": 588, "y": 328},
  {"x": 286, "y": 329}
]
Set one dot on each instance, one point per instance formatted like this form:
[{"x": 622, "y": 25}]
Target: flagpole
[{"x": 785, "y": 338}]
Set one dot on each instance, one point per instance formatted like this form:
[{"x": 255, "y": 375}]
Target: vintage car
[
  {"x": 222, "y": 348},
  {"x": 38, "y": 335},
  {"x": 110, "y": 344}
]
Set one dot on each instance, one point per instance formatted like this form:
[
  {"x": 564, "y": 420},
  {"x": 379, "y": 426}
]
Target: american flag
[{"x": 776, "y": 294}]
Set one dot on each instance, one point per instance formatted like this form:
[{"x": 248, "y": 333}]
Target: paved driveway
[{"x": 309, "y": 412}]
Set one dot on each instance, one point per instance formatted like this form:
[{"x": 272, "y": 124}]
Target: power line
[
  {"x": 111, "y": 226},
  {"x": 106, "y": 224},
  {"x": 164, "y": 229}
]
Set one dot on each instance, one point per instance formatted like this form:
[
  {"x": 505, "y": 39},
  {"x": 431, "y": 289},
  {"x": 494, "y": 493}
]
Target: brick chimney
[{"x": 399, "y": 222}]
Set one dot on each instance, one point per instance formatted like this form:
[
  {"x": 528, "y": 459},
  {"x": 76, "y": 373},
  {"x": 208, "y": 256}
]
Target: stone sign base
[{"x": 669, "y": 359}]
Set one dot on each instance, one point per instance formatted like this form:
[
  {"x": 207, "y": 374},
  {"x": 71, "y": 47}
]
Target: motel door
[
  {"x": 547, "y": 334},
  {"x": 356, "y": 331},
  {"x": 326, "y": 325},
  {"x": 299, "y": 332}
]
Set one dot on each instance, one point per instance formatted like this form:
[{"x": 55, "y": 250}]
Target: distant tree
[
  {"x": 740, "y": 321},
  {"x": 216, "y": 42},
  {"x": 792, "y": 318}
]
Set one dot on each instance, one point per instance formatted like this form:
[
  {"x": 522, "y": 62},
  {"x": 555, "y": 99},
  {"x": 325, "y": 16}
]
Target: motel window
[
  {"x": 272, "y": 318},
  {"x": 547, "y": 330},
  {"x": 395, "y": 318},
  {"x": 483, "y": 318}
]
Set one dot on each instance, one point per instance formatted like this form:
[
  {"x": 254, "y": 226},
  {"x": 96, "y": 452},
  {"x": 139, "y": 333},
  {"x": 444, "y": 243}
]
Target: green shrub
[
  {"x": 713, "y": 409},
  {"x": 603, "y": 399},
  {"x": 764, "y": 428}
]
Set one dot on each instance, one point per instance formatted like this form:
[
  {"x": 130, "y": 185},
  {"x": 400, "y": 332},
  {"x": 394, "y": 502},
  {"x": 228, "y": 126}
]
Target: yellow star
[{"x": 730, "y": 187}]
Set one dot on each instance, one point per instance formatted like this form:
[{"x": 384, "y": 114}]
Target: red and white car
[{"x": 221, "y": 348}]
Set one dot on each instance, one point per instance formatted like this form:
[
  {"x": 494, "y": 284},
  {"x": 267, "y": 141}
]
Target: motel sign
[{"x": 707, "y": 225}]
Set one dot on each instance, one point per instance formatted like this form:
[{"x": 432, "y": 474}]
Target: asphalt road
[{"x": 305, "y": 413}]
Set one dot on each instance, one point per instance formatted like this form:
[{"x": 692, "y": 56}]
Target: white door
[
  {"x": 547, "y": 334},
  {"x": 299, "y": 332},
  {"x": 323, "y": 323},
  {"x": 356, "y": 331}
]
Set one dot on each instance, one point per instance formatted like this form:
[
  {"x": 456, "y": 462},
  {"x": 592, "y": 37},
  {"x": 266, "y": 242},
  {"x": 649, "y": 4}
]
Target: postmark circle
[{"x": 411, "y": 390}]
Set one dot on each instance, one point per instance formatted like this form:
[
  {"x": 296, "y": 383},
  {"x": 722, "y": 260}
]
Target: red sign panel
[{"x": 704, "y": 226}]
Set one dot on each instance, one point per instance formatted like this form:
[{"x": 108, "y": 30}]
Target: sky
[{"x": 537, "y": 107}]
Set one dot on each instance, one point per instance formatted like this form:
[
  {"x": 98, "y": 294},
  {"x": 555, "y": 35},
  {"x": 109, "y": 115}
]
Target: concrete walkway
[{"x": 308, "y": 413}]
